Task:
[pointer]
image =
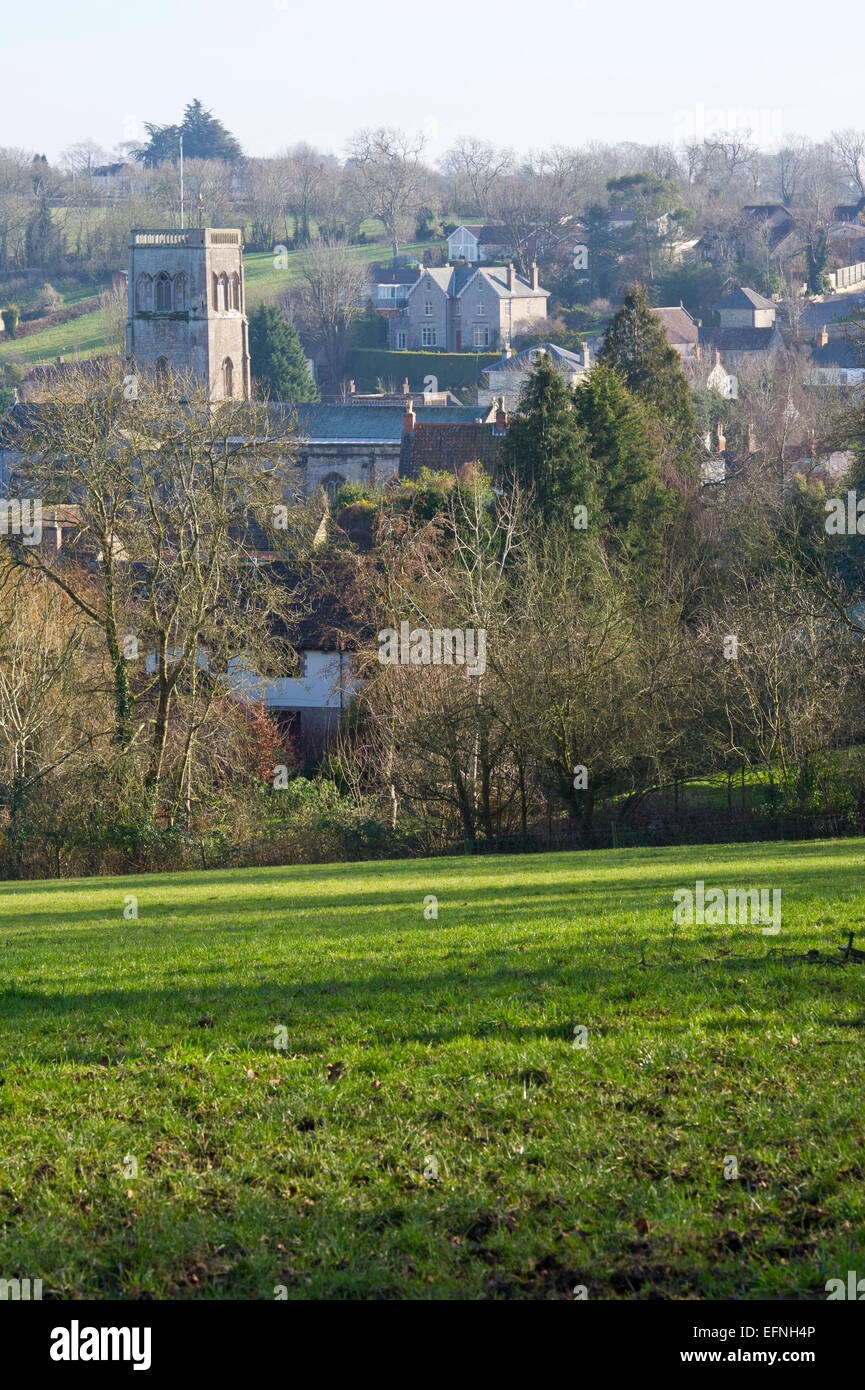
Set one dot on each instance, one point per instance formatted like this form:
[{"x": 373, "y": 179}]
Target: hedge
[{"x": 453, "y": 370}]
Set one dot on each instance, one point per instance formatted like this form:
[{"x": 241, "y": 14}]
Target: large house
[{"x": 465, "y": 308}]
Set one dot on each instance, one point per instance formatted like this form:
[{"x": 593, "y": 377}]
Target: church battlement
[{"x": 193, "y": 236}]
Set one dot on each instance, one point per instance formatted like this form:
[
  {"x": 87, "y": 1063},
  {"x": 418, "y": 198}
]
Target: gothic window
[
  {"x": 163, "y": 292},
  {"x": 235, "y": 291},
  {"x": 180, "y": 291},
  {"x": 222, "y": 293},
  {"x": 228, "y": 378},
  {"x": 143, "y": 291}
]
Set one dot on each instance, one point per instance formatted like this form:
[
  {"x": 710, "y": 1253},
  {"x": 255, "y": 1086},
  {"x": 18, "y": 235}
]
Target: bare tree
[
  {"x": 387, "y": 175},
  {"x": 335, "y": 289},
  {"x": 474, "y": 167},
  {"x": 849, "y": 148}
]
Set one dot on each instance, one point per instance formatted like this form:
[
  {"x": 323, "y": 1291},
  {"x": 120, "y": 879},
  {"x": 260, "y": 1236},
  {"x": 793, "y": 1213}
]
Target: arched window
[
  {"x": 180, "y": 291},
  {"x": 143, "y": 292},
  {"x": 332, "y": 482},
  {"x": 222, "y": 293},
  {"x": 163, "y": 292},
  {"x": 228, "y": 378},
  {"x": 235, "y": 291},
  {"x": 161, "y": 366}
]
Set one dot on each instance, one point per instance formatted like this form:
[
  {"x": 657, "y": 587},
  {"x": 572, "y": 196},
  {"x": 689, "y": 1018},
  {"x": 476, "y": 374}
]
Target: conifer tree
[{"x": 277, "y": 360}]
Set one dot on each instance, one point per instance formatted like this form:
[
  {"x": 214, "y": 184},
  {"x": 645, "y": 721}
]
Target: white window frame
[
  {"x": 428, "y": 335},
  {"x": 481, "y": 335},
  {"x": 428, "y": 308}
]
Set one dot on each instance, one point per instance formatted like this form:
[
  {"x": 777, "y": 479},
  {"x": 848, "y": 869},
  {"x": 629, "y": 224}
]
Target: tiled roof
[
  {"x": 678, "y": 324},
  {"x": 450, "y": 447}
]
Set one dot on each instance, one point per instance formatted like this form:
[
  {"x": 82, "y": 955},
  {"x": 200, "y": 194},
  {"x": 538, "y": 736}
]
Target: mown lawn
[{"x": 417, "y": 1046}]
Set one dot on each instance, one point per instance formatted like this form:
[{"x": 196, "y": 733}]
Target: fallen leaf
[{"x": 642, "y": 1225}]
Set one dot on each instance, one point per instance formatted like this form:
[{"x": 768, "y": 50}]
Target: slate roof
[
  {"x": 452, "y": 279},
  {"x": 380, "y": 424},
  {"x": 739, "y": 339},
  {"x": 744, "y": 299},
  {"x": 523, "y": 361},
  {"x": 838, "y": 352},
  {"x": 497, "y": 235}
]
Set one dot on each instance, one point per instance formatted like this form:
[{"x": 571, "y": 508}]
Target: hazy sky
[{"x": 560, "y": 71}]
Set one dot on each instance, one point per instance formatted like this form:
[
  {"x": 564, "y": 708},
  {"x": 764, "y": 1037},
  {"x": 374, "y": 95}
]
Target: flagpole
[{"x": 181, "y": 183}]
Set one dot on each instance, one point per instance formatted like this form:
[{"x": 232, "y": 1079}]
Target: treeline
[{"x": 77, "y": 214}]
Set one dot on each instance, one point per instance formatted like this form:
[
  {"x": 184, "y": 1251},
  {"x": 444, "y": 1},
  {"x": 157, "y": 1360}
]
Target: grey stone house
[
  {"x": 747, "y": 330},
  {"x": 468, "y": 309}
]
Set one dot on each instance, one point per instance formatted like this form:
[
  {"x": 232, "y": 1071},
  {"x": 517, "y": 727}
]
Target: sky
[{"x": 521, "y": 75}]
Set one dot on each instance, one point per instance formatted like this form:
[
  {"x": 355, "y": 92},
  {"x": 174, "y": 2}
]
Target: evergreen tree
[
  {"x": 636, "y": 345},
  {"x": 547, "y": 448},
  {"x": 277, "y": 359},
  {"x": 204, "y": 137},
  {"x": 626, "y": 452}
]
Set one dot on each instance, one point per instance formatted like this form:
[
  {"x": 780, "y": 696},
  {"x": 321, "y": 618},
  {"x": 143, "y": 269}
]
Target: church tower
[{"x": 187, "y": 307}]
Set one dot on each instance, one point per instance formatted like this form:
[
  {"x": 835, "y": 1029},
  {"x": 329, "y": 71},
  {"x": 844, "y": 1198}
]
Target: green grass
[
  {"x": 449, "y": 1041},
  {"x": 86, "y": 336}
]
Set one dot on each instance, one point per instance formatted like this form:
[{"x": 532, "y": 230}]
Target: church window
[
  {"x": 222, "y": 293},
  {"x": 163, "y": 292},
  {"x": 180, "y": 291},
  {"x": 235, "y": 291},
  {"x": 228, "y": 378}
]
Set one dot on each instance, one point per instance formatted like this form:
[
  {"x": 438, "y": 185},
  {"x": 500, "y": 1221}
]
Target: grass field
[
  {"x": 418, "y": 1047},
  {"x": 87, "y": 336}
]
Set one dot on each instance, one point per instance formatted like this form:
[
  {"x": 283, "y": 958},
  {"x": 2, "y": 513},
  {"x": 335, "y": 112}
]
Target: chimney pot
[
  {"x": 409, "y": 420},
  {"x": 510, "y": 275},
  {"x": 351, "y": 387},
  {"x": 405, "y": 390},
  {"x": 534, "y": 275}
]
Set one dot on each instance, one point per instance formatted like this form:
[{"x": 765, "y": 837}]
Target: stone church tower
[{"x": 187, "y": 307}]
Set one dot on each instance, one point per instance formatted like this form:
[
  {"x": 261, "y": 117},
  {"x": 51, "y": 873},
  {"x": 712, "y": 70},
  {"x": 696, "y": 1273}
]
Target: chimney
[
  {"x": 722, "y": 442},
  {"x": 405, "y": 390},
  {"x": 351, "y": 387},
  {"x": 409, "y": 420},
  {"x": 534, "y": 275},
  {"x": 511, "y": 275},
  {"x": 501, "y": 418},
  {"x": 823, "y": 336},
  {"x": 587, "y": 356}
]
